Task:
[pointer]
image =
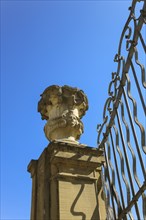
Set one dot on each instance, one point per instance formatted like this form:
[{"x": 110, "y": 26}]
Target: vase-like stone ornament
[{"x": 63, "y": 107}]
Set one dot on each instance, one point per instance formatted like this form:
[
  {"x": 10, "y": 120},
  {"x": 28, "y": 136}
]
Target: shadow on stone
[{"x": 76, "y": 213}]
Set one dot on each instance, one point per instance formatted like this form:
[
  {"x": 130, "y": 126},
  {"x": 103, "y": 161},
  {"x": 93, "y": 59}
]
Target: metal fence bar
[
  {"x": 124, "y": 135},
  {"x": 135, "y": 198},
  {"x": 129, "y": 145},
  {"x": 138, "y": 88},
  {"x": 110, "y": 186},
  {"x": 118, "y": 59},
  {"x": 134, "y": 135},
  {"x": 116, "y": 168},
  {"x": 127, "y": 166}
]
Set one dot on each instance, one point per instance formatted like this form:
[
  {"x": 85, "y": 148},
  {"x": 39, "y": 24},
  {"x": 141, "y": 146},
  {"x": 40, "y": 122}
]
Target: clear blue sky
[{"x": 44, "y": 43}]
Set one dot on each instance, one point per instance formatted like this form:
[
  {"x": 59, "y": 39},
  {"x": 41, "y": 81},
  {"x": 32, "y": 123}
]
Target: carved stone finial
[{"x": 63, "y": 107}]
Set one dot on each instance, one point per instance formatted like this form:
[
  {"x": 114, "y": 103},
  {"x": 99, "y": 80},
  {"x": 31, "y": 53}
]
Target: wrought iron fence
[{"x": 124, "y": 123}]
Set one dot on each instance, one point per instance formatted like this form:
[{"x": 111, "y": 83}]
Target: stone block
[{"x": 66, "y": 183}]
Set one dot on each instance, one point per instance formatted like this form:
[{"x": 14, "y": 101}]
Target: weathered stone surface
[
  {"x": 67, "y": 183},
  {"x": 66, "y": 179},
  {"x": 63, "y": 107}
]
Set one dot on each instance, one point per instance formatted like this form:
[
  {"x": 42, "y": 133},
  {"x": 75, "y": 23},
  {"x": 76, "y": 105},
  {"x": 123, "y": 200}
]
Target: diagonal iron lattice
[{"x": 122, "y": 134}]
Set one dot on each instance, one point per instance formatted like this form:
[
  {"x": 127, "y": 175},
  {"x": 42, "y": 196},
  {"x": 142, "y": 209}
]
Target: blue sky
[{"x": 46, "y": 43}]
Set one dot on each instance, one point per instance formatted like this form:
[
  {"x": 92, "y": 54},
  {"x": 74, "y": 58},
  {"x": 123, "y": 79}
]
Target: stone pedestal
[
  {"x": 66, "y": 183},
  {"x": 66, "y": 179}
]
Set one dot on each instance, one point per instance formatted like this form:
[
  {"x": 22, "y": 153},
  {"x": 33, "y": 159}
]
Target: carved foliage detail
[{"x": 63, "y": 107}]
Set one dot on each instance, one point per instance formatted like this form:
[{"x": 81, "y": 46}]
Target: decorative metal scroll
[{"x": 122, "y": 134}]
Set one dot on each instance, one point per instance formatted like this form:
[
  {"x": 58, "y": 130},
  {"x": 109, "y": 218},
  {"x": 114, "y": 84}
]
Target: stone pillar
[{"x": 66, "y": 179}]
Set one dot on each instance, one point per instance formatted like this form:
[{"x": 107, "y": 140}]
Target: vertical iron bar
[
  {"x": 134, "y": 134},
  {"x": 127, "y": 164},
  {"x": 129, "y": 145},
  {"x": 142, "y": 42},
  {"x": 116, "y": 165},
  {"x": 105, "y": 185},
  {"x": 138, "y": 87},
  {"x": 123, "y": 210},
  {"x": 110, "y": 185}
]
